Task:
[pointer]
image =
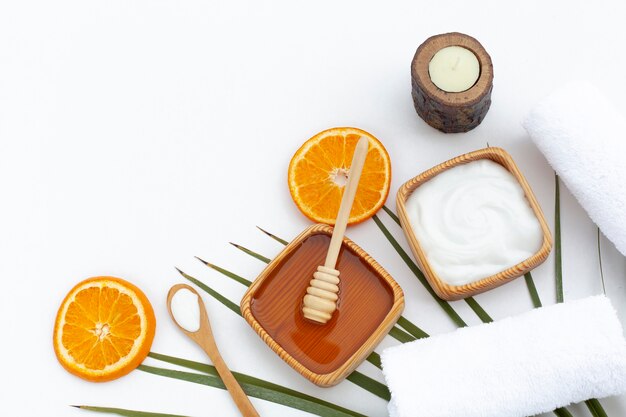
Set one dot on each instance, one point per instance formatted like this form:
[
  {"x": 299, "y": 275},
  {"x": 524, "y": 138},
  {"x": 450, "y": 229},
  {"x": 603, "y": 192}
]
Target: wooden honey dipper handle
[
  {"x": 321, "y": 298},
  {"x": 354, "y": 176}
]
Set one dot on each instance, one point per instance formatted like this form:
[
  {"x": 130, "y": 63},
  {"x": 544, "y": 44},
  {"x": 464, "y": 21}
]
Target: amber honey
[{"x": 365, "y": 300}]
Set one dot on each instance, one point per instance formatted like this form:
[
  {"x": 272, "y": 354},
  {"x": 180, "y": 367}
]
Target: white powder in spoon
[{"x": 186, "y": 310}]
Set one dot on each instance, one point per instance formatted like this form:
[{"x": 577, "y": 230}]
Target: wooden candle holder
[
  {"x": 370, "y": 303},
  {"x": 445, "y": 111},
  {"x": 456, "y": 292}
]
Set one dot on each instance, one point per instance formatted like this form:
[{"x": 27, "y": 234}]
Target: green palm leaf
[
  {"x": 412, "y": 329},
  {"x": 219, "y": 297},
  {"x": 258, "y": 388},
  {"x": 392, "y": 215},
  {"x": 381, "y": 389},
  {"x": 471, "y": 302},
  {"x": 124, "y": 412},
  {"x": 594, "y": 406},
  {"x": 276, "y": 238},
  {"x": 413, "y": 267},
  {"x": 532, "y": 289},
  {"x": 478, "y": 310},
  {"x": 558, "y": 265},
  {"x": 251, "y": 253},
  {"x": 562, "y": 412},
  {"x": 534, "y": 295},
  {"x": 227, "y": 273},
  {"x": 600, "y": 262}
]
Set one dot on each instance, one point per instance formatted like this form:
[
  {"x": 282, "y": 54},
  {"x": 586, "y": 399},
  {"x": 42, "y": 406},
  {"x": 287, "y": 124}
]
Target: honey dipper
[{"x": 321, "y": 299}]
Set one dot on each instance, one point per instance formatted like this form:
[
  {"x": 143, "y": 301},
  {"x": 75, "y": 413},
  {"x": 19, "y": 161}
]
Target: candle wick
[{"x": 456, "y": 63}]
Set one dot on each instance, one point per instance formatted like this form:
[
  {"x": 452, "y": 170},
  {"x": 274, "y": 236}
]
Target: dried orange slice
[
  {"x": 319, "y": 169},
  {"x": 104, "y": 329}
]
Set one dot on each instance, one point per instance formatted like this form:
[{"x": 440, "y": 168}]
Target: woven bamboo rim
[
  {"x": 332, "y": 378},
  {"x": 456, "y": 292}
]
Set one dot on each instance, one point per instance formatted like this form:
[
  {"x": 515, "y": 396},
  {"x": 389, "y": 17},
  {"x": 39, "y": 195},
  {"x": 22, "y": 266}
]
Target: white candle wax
[{"x": 454, "y": 69}]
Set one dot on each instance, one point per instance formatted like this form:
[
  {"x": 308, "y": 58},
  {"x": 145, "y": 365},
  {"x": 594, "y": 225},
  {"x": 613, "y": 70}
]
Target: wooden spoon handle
[
  {"x": 356, "y": 167},
  {"x": 236, "y": 392},
  {"x": 204, "y": 338}
]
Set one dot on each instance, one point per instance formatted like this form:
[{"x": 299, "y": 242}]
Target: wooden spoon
[
  {"x": 204, "y": 338},
  {"x": 321, "y": 299}
]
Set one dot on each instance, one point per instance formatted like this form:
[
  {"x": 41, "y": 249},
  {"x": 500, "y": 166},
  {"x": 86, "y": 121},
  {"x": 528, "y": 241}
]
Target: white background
[{"x": 137, "y": 134}]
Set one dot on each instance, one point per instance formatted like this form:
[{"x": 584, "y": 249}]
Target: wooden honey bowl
[
  {"x": 456, "y": 292},
  {"x": 370, "y": 303}
]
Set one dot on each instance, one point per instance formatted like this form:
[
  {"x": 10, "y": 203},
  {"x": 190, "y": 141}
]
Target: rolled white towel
[
  {"x": 516, "y": 367},
  {"x": 584, "y": 139}
]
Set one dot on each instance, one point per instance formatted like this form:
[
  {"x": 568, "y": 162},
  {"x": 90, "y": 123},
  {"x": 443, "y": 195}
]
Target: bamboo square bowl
[
  {"x": 370, "y": 303},
  {"x": 456, "y": 292}
]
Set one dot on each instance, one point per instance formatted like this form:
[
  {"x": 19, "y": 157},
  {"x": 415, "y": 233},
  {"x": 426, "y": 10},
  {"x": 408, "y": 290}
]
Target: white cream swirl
[{"x": 473, "y": 221}]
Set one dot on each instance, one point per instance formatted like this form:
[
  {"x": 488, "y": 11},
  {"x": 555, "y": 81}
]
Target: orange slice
[
  {"x": 104, "y": 329},
  {"x": 319, "y": 169}
]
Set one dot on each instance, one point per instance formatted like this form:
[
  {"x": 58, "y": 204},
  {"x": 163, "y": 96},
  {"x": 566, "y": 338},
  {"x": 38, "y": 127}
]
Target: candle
[
  {"x": 454, "y": 69},
  {"x": 452, "y": 79}
]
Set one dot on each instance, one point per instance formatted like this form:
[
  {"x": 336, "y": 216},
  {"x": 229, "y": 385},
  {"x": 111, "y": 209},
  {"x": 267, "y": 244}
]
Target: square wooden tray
[
  {"x": 370, "y": 303},
  {"x": 456, "y": 292}
]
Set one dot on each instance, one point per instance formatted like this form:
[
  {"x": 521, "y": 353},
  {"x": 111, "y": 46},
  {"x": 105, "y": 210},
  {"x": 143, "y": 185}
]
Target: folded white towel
[
  {"x": 584, "y": 139},
  {"x": 520, "y": 366}
]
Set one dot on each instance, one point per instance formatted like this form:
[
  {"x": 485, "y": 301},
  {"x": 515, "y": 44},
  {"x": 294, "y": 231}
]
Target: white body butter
[
  {"x": 473, "y": 221},
  {"x": 186, "y": 310}
]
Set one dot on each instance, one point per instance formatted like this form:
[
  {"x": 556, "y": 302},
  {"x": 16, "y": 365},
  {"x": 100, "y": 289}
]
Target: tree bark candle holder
[{"x": 451, "y": 111}]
